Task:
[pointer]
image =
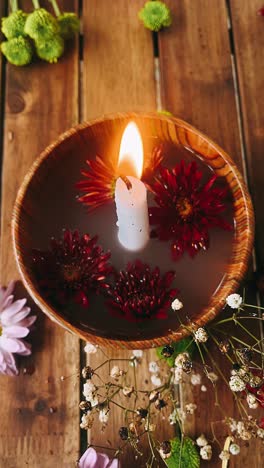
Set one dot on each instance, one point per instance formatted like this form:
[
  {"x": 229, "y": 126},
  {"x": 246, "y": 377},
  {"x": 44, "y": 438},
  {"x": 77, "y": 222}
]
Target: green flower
[
  {"x": 69, "y": 24},
  {"x": 183, "y": 455},
  {"x": 50, "y": 49},
  {"x": 41, "y": 25},
  {"x": 13, "y": 25},
  {"x": 155, "y": 15},
  {"x": 18, "y": 51}
]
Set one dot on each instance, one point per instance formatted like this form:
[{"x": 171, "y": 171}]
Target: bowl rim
[{"x": 229, "y": 283}]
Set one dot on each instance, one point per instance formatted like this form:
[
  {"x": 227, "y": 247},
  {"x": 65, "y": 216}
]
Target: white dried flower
[
  {"x": 153, "y": 367},
  {"x": 260, "y": 433},
  {"x": 206, "y": 452},
  {"x": 173, "y": 417},
  {"x": 87, "y": 421},
  {"x": 201, "y": 335},
  {"x": 224, "y": 455},
  {"x": 138, "y": 353},
  {"x": 93, "y": 400},
  {"x": 181, "y": 359},
  {"x": 182, "y": 414},
  {"x": 203, "y": 388},
  {"x": 234, "y": 449},
  {"x": 177, "y": 375},
  {"x": 150, "y": 427},
  {"x": 115, "y": 372},
  {"x": 236, "y": 384},
  {"x": 212, "y": 376},
  {"x": 104, "y": 415},
  {"x": 242, "y": 432},
  {"x": 176, "y": 304},
  {"x": 252, "y": 401},
  {"x": 234, "y": 301},
  {"x": 90, "y": 348},
  {"x": 88, "y": 389},
  {"x": 156, "y": 380},
  {"x": 196, "y": 379},
  {"x": 201, "y": 441},
  {"x": 232, "y": 424},
  {"x": 127, "y": 391},
  {"x": 190, "y": 408}
]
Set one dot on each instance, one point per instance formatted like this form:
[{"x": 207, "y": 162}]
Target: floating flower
[
  {"x": 14, "y": 327},
  {"x": 201, "y": 335},
  {"x": 234, "y": 449},
  {"x": 72, "y": 268},
  {"x": 234, "y": 301},
  {"x": 206, "y": 452},
  {"x": 91, "y": 458},
  {"x": 236, "y": 384},
  {"x": 98, "y": 184},
  {"x": 176, "y": 304},
  {"x": 201, "y": 441},
  {"x": 186, "y": 209},
  {"x": 155, "y": 15},
  {"x": 139, "y": 293}
]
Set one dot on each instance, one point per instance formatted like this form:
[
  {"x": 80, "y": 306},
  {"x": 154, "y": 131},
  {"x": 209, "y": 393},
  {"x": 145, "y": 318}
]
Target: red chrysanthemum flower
[
  {"x": 98, "y": 185},
  {"x": 139, "y": 293},
  {"x": 74, "y": 267},
  {"x": 187, "y": 209}
]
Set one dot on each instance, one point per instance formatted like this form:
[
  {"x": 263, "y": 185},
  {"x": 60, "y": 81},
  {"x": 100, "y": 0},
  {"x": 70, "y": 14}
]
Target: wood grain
[
  {"x": 248, "y": 30},
  {"x": 197, "y": 85},
  {"x": 118, "y": 75},
  {"x": 196, "y": 72},
  {"x": 39, "y": 412}
]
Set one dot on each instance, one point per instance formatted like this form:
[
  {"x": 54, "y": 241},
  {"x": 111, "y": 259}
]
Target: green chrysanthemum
[
  {"x": 155, "y": 15},
  {"x": 41, "y": 25},
  {"x": 50, "y": 49},
  {"x": 184, "y": 456},
  {"x": 13, "y": 25},
  {"x": 69, "y": 25},
  {"x": 18, "y": 51}
]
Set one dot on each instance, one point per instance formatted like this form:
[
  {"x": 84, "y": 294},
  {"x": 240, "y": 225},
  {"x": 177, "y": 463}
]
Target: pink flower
[
  {"x": 14, "y": 326},
  {"x": 93, "y": 459}
]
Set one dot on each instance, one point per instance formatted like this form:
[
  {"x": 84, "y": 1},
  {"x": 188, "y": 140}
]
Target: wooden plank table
[{"x": 209, "y": 71}]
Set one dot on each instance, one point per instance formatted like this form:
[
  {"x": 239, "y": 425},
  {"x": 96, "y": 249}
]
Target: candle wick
[{"x": 127, "y": 182}]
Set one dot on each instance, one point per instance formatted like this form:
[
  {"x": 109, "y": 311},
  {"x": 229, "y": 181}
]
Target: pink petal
[
  {"x": 89, "y": 459},
  {"x": 15, "y": 307},
  {"x": 7, "y": 363},
  {"x": 8, "y": 319},
  {"x": 5, "y": 294},
  {"x": 16, "y": 331},
  {"x": 27, "y": 322},
  {"x": 14, "y": 345}
]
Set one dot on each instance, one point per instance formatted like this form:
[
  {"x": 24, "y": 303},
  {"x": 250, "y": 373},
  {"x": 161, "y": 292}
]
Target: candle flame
[{"x": 130, "y": 161}]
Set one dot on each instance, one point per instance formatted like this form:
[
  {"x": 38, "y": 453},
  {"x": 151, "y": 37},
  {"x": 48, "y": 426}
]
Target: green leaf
[
  {"x": 183, "y": 456},
  {"x": 186, "y": 344}
]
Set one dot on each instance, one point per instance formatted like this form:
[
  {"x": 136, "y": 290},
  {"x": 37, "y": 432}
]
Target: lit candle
[{"x": 131, "y": 193}]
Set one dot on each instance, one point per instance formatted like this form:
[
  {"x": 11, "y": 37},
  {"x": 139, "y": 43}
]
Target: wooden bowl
[{"x": 46, "y": 203}]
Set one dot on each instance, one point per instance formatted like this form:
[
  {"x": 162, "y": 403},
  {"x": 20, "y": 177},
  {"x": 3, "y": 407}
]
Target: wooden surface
[{"x": 118, "y": 74}]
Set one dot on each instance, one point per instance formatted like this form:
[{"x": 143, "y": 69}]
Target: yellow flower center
[
  {"x": 184, "y": 207},
  {"x": 71, "y": 273}
]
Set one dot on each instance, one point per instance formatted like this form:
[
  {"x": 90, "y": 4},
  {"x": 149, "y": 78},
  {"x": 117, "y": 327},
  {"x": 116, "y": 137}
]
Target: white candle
[
  {"x": 131, "y": 193},
  {"x": 132, "y": 213}
]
